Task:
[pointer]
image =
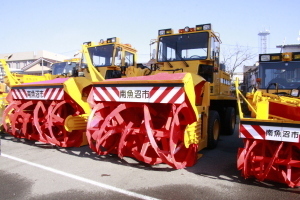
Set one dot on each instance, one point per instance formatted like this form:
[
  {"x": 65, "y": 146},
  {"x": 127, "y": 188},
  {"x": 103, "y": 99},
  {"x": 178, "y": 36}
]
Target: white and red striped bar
[
  {"x": 144, "y": 94},
  {"x": 270, "y": 131},
  {"x": 38, "y": 93}
]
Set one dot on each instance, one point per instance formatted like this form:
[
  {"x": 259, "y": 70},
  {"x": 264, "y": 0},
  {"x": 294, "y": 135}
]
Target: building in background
[
  {"x": 32, "y": 62},
  {"x": 249, "y": 77},
  {"x": 289, "y": 48}
]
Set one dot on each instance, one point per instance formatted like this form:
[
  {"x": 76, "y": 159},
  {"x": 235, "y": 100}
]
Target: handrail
[
  {"x": 238, "y": 94},
  {"x": 12, "y": 79},
  {"x": 95, "y": 74}
]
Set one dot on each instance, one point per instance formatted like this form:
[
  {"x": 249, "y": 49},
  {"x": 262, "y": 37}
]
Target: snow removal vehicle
[
  {"x": 271, "y": 133},
  {"x": 177, "y": 108},
  {"x": 55, "y": 111}
]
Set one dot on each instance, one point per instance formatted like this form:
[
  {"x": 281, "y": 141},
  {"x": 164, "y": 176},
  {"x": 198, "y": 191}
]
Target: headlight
[
  {"x": 296, "y": 55},
  {"x": 161, "y": 32},
  {"x": 111, "y": 40},
  {"x": 87, "y": 43},
  {"x": 165, "y": 31},
  {"x": 206, "y": 27},
  {"x": 202, "y": 27},
  {"x": 275, "y": 58},
  {"x": 265, "y": 57},
  {"x": 295, "y": 93}
]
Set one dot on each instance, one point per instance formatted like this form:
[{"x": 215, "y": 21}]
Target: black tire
[
  {"x": 228, "y": 124},
  {"x": 213, "y": 129},
  {"x": 2, "y": 130}
]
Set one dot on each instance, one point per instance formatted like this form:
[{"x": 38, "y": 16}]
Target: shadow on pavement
[
  {"x": 85, "y": 151},
  {"x": 219, "y": 163}
]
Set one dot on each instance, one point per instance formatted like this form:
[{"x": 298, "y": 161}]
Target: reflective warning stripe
[
  {"x": 38, "y": 93},
  {"x": 265, "y": 132},
  {"x": 174, "y": 95},
  {"x": 250, "y": 131}
]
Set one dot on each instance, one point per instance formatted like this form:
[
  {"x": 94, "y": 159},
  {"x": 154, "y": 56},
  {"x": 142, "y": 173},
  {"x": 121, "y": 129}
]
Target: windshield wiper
[
  {"x": 164, "y": 57},
  {"x": 181, "y": 59}
]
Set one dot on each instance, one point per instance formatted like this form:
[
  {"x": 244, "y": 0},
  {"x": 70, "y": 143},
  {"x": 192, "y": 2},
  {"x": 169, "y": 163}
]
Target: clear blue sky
[{"x": 61, "y": 26}]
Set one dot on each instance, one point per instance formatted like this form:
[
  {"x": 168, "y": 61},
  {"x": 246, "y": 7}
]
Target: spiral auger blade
[
  {"x": 55, "y": 130},
  {"x": 271, "y": 138},
  {"x": 40, "y": 121},
  {"x": 8, "y": 115},
  {"x": 271, "y": 160},
  {"x": 18, "y": 120},
  {"x": 146, "y": 121},
  {"x": 51, "y": 112}
]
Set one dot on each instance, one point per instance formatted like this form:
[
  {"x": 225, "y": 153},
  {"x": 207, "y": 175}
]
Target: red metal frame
[{"x": 270, "y": 160}]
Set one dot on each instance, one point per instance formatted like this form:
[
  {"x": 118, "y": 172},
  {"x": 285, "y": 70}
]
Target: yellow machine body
[
  {"x": 57, "y": 107},
  {"x": 110, "y": 59},
  {"x": 179, "y": 52},
  {"x": 11, "y": 79},
  {"x": 177, "y": 107},
  {"x": 271, "y": 130}
]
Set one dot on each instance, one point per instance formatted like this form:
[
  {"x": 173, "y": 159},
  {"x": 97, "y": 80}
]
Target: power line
[
  {"x": 71, "y": 51},
  {"x": 255, "y": 47}
]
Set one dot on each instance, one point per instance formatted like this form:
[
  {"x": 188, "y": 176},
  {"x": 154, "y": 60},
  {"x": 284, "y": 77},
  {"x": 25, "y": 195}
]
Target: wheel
[
  {"x": 228, "y": 124},
  {"x": 213, "y": 130}
]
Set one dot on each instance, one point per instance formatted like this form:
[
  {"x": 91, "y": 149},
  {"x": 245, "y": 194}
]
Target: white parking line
[{"x": 102, "y": 185}]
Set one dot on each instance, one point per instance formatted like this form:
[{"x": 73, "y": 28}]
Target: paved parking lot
[{"x": 30, "y": 170}]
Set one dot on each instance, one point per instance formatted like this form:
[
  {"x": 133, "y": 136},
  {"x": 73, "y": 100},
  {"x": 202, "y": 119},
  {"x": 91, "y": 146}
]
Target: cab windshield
[
  {"x": 63, "y": 68},
  {"x": 183, "y": 47},
  {"x": 101, "y": 56},
  {"x": 285, "y": 74}
]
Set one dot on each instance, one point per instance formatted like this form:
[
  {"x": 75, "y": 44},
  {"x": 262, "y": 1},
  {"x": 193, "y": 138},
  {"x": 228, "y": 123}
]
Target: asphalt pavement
[{"x": 32, "y": 170}]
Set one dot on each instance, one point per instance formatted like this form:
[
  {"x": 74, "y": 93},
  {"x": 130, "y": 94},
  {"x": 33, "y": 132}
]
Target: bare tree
[{"x": 234, "y": 57}]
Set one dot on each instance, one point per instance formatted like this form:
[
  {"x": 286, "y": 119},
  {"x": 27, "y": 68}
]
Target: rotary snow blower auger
[
  {"x": 44, "y": 111},
  {"x": 151, "y": 118},
  {"x": 272, "y": 134},
  {"x": 56, "y": 111},
  {"x": 171, "y": 114}
]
